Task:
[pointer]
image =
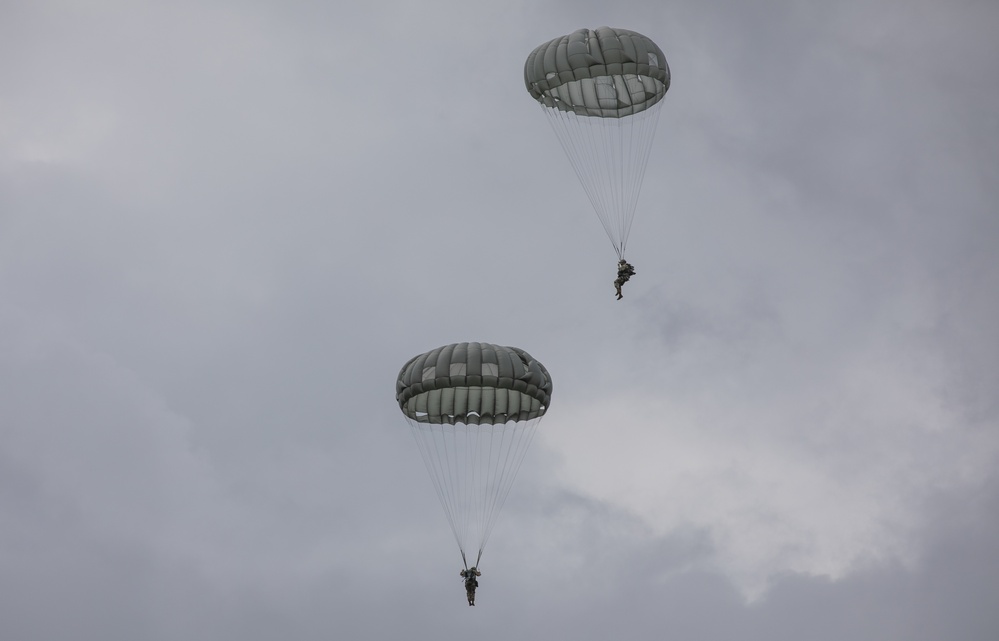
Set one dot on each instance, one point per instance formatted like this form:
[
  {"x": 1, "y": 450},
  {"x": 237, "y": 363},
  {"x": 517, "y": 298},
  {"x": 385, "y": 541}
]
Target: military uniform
[
  {"x": 624, "y": 273},
  {"x": 470, "y": 583}
]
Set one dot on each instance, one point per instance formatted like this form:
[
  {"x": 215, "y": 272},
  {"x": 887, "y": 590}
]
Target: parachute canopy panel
[
  {"x": 473, "y": 384},
  {"x": 606, "y": 72}
]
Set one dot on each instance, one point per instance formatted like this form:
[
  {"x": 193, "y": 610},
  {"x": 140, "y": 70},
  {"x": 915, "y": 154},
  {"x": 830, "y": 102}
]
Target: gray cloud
[{"x": 224, "y": 228}]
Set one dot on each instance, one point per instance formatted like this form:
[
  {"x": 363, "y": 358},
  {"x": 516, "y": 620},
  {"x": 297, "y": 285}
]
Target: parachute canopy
[
  {"x": 608, "y": 73},
  {"x": 602, "y": 91},
  {"x": 473, "y": 383},
  {"x": 473, "y": 409}
]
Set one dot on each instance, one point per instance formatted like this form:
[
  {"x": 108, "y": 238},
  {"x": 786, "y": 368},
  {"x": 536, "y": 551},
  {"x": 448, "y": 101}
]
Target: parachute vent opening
[
  {"x": 429, "y": 373},
  {"x": 653, "y": 60}
]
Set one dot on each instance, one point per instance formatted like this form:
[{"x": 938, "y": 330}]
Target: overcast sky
[{"x": 225, "y": 226}]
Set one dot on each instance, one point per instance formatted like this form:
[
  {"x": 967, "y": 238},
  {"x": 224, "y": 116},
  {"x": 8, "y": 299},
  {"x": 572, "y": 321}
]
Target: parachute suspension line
[
  {"x": 605, "y": 142},
  {"x": 513, "y": 453},
  {"x": 424, "y": 444},
  {"x": 626, "y": 140},
  {"x": 461, "y": 499},
  {"x": 607, "y": 159},
  {"x": 495, "y": 472},
  {"x": 472, "y": 508},
  {"x": 498, "y": 465},
  {"x": 497, "y": 469},
  {"x": 609, "y": 156},
  {"x": 460, "y": 446},
  {"x": 619, "y": 184},
  {"x": 473, "y": 434},
  {"x": 581, "y": 146},
  {"x": 473, "y": 468},
  {"x": 486, "y": 463},
  {"x": 439, "y": 467},
  {"x": 641, "y": 136}
]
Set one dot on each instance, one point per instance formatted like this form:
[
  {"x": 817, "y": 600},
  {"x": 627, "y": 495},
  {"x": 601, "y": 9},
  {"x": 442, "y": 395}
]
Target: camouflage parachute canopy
[
  {"x": 473, "y": 383},
  {"x": 608, "y": 73}
]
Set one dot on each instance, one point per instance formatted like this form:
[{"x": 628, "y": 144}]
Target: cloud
[{"x": 224, "y": 228}]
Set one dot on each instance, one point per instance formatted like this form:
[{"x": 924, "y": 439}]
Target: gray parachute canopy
[
  {"x": 474, "y": 384},
  {"x": 609, "y": 73}
]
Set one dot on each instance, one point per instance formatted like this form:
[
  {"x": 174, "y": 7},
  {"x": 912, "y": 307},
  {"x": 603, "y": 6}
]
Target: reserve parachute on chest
[
  {"x": 602, "y": 91},
  {"x": 473, "y": 409}
]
